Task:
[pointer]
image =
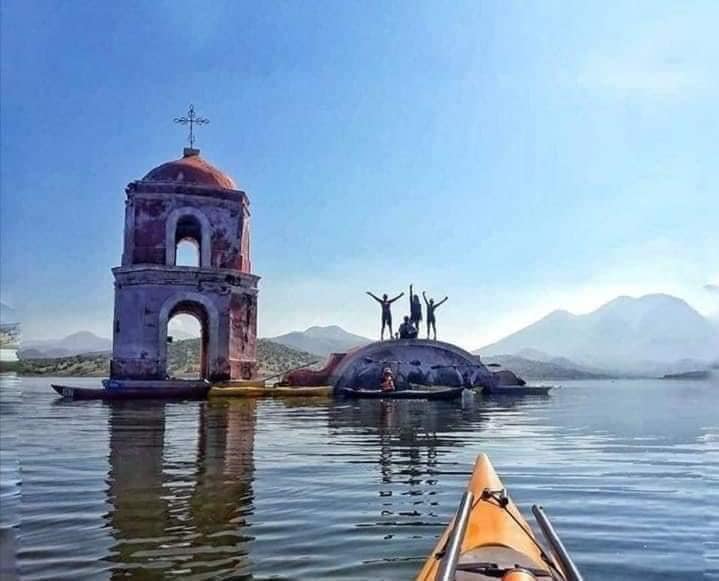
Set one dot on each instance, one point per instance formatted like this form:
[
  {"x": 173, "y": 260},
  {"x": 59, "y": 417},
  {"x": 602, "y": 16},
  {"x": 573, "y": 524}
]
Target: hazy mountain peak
[
  {"x": 652, "y": 307},
  {"x": 321, "y": 340},
  {"x": 626, "y": 333},
  {"x": 324, "y": 331},
  {"x": 560, "y": 314},
  {"x": 81, "y": 335},
  {"x": 654, "y": 299},
  {"x": 73, "y": 344},
  {"x": 326, "y": 328},
  {"x": 618, "y": 301}
]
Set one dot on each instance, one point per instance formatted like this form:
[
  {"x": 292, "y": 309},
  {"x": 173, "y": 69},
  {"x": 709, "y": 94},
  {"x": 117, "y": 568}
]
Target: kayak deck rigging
[{"x": 489, "y": 539}]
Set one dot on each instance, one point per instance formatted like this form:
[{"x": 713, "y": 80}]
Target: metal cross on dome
[{"x": 192, "y": 119}]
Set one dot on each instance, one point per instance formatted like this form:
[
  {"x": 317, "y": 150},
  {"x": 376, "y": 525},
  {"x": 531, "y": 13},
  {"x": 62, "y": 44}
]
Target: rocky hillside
[
  {"x": 183, "y": 360},
  {"x": 273, "y": 358},
  {"x": 87, "y": 365}
]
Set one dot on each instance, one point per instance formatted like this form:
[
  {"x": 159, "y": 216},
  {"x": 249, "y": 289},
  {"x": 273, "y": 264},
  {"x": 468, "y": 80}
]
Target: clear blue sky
[{"x": 517, "y": 156}]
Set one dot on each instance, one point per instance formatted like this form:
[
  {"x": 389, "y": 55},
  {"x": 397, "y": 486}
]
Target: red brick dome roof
[{"x": 191, "y": 169}]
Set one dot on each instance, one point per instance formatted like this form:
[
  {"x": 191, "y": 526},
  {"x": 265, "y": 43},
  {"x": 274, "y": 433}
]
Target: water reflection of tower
[
  {"x": 223, "y": 496},
  {"x": 139, "y": 515},
  {"x": 180, "y": 510}
]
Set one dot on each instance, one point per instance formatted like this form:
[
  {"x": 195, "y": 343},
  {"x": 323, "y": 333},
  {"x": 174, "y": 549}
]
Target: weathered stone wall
[
  {"x": 243, "y": 335},
  {"x": 148, "y": 233},
  {"x": 147, "y": 297},
  {"x": 148, "y": 218}
]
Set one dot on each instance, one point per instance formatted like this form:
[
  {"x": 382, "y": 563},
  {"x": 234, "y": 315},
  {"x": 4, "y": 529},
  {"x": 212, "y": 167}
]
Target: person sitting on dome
[{"x": 407, "y": 330}]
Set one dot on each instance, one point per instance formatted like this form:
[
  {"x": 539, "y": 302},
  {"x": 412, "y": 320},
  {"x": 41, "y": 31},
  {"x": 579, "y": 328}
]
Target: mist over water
[{"x": 323, "y": 489}]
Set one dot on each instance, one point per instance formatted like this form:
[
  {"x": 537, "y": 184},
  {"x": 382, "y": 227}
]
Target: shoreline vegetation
[
  {"x": 183, "y": 361},
  {"x": 699, "y": 374}
]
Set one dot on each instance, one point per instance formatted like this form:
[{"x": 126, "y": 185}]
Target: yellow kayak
[
  {"x": 493, "y": 541},
  {"x": 280, "y": 391}
]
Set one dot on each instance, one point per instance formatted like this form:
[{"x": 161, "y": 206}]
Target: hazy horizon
[
  {"x": 517, "y": 158},
  {"x": 186, "y": 326}
]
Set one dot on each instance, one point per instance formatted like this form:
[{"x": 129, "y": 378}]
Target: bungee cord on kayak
[
  {"x": 488, "y": 539},
  {"x": 500, "y": 496}
]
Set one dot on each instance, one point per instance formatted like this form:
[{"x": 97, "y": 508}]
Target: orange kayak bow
[{"x": 488, "y": 539}]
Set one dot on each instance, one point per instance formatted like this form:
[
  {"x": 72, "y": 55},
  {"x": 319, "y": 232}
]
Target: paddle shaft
[
  {"x": 452, "y": 550},
  {"x": 556, "y": 544}
]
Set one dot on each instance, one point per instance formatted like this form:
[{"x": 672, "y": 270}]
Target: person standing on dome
[
  {"x": 431, "y": 308},
  {"x": 386, "y": 304},
  {"x": 415, "y": 309}
]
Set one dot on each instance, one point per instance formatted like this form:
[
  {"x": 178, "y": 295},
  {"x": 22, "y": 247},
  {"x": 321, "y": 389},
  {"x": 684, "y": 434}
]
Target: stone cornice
[
  {"x": 157, "y": 274},
  {"x": 164, "y": 188}
]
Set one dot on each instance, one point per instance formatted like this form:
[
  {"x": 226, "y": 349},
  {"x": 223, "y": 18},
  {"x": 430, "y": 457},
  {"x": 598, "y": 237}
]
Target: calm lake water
[{"x": 322, "y": 489}]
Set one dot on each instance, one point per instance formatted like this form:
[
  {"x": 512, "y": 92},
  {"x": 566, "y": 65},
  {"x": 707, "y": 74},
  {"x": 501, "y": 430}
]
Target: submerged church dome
[{"x": 192, "y": 170}]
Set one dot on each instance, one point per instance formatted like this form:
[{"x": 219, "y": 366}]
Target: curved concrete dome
[
  {"x": 412, "y": 361},
  {"x": 191, "y": 169}
]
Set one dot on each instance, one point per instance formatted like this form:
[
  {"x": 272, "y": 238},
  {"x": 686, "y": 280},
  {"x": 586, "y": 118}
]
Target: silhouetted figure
[
  {"x": 415, "y": 309},
  {"x": 431, "y": 308},
  {"x": 386, "y": 311},
  {"x": 407, "y": 330}
]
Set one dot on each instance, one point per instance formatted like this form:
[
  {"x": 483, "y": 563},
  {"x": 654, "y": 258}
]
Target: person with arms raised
[
  {"x": 386, "y": 304},
  {"x": 431, "y": 317}
]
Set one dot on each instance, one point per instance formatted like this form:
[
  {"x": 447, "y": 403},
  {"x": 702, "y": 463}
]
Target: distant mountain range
[
  {"x": 650, "y": 335},
  {"x": 321, "y": 340},
  {"x": 532, "y": 369},
  {"x": 75, "y": 344},
  {"x": 317, "y": 340}
]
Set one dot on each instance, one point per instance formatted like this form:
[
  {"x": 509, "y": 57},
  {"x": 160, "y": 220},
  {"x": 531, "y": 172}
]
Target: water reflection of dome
[
  {"x": 178, "y": 485},
  {"x": 408, "y": 445},
  {"x": 414, "y": 423}
]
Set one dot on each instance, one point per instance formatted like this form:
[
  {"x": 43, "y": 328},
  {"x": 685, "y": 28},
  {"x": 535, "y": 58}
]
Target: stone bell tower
[{"x": 185, "y": 199}]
